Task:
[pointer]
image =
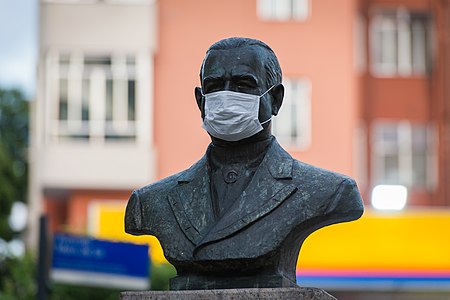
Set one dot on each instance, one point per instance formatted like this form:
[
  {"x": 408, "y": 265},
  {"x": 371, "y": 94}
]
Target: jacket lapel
[
  {"x": 264, "y": 193},
  {"x": 190, "y": 201}
]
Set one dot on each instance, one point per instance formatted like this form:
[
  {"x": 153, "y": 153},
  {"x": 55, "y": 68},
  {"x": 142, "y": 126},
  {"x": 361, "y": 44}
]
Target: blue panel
[{"x": 91, "y": 255}]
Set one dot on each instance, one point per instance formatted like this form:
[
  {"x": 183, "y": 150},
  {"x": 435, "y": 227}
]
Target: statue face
[{"x": 238, "y": 70}]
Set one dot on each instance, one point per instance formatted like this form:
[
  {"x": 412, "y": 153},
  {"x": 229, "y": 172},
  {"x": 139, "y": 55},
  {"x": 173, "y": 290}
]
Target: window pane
[
  {"x": 419, "y": 138},
  {"x": 131, "y": 100},
  {"x": 63, "y": 99},
  {"x": 283, "y": 9},
  {"x": 109, "y": 100},
  {"x": 386, "y": 138},
  {"x": 420, "y": 154},
  {"x": 97, "y": 60},
  {"x": 300, "y": 9},
  {"x": 292, "y": 125},
  {"x": 391, "y": 169},
  {"x": 388, "y": 44},
  {"x": 294, "y": 110},
  {"x": 420, "y": 169},
  {"x": 282, "y": 122},
  {"x": 419, "y": 46},
  {"x": 385, "y": 153},
  {"x": 265, "y": 9},
  {"x": 389, "y": 133},
  {"x": 404, "y": 42},
  {"x": 85, "y": 100}
]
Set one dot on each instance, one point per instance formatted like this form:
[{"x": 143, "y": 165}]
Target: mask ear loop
[
  {"x": 267, "y": 90},
  {"x": 266, "y": 121}
]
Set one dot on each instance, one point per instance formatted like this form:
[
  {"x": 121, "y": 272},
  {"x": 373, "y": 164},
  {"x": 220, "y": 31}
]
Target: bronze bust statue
[{"x": 238, "y": 217}]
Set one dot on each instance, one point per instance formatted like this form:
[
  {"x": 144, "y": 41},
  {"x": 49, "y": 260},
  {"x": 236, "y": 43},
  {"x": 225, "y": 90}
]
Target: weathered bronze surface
[{"x": 238, "y": 217}]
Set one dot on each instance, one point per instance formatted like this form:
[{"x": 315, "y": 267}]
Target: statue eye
[
  {"x": 213, "y": 86},
  {"x": 245, "y": 84}
]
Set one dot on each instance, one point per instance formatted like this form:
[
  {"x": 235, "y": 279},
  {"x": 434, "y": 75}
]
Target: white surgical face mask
[{"x": 232, "y": 116}]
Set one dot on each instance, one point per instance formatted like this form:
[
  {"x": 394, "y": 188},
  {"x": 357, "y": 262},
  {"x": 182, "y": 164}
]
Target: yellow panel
[{"x": 409, "y": 240}]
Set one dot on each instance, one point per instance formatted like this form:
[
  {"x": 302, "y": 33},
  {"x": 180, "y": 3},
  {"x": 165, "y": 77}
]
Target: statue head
[{"x": 246, "y": 66}]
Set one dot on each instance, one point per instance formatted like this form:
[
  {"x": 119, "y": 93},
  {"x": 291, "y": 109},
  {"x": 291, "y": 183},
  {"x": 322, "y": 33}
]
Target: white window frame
[
  {"x": 284, "y": 10},
  {"x": 296, "y": 102},
  {"x": 96, "y": 128}
]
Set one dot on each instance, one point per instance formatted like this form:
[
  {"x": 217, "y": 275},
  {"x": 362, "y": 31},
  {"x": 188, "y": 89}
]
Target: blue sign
[{"x": 87, "y": 261}]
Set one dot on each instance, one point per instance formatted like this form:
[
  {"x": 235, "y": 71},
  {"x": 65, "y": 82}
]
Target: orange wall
[
  {"x": 400, "y": 98},
  {"x": 319, "y": 49},
  {"x": 56, "y": 209},
  {"x": 77, "y": 208}
]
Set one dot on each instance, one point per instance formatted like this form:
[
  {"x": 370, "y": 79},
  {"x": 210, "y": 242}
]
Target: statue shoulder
[
  {"x": 158, "y": 188},
  {"x": 163, "y": 186},
  {"x": 143, "y": 202},
  {"x": 148, "y": 205},
  {"x": 340, "y": 191}
]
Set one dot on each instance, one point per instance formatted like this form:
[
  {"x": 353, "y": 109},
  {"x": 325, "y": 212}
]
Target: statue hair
[{"x": 272, "y": 66}]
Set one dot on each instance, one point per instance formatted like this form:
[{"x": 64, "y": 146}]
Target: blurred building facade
[
  {"x": 366, "y": 93},
  {"x": 404, "y": 97},
  {"x": 91, "y": 137}
]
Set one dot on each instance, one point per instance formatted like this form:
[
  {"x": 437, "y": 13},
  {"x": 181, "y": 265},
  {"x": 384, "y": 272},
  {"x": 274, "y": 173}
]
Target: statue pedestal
[{"x": 301, "y": 293}]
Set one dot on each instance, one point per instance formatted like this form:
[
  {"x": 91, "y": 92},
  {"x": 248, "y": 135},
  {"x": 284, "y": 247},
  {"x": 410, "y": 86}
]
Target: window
[
  {"x": 292, "y": 126},
  {"x": 403, "y": 153},
  {"x": 283, "y": 10},
  {"x": 96, "y": 97},
  {"x": 400, "y": 43}
]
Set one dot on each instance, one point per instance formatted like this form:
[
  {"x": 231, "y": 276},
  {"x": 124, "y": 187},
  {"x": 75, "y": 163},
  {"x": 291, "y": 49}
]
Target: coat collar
[
  {"x": 278, "y": 161},
  {"x": 192, "y": 206}
]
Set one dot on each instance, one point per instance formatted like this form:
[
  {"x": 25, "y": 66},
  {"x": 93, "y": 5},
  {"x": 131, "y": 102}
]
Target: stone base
[{"x": 299, "y": 293}]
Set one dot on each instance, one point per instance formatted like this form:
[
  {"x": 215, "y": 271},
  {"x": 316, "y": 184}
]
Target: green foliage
[
  {"x": 8, "y": 192},
  {"x": 161, "y": 273},
  {"x": 18, "y": 278},
  {"x": 13, "y": 154}
]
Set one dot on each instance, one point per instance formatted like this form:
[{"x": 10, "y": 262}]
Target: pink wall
[{"x": 319, "y": 49}]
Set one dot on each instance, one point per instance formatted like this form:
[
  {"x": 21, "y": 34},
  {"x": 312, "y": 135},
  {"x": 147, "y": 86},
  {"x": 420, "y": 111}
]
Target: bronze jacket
[{"x": 263, "y": 230}]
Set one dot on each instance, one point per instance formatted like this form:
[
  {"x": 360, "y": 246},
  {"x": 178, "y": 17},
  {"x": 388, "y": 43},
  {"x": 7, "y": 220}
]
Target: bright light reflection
[
  {"x": 389, "y": 197},
  {"x": 18, "y": 217}
]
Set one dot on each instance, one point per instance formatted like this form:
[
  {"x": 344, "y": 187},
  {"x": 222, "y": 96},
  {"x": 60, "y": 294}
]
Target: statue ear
[
  {"x": 199, "y": 98},
  {"x": 277, "y": 93}
]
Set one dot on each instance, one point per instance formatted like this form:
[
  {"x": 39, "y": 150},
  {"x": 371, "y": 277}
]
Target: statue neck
[{"x": 240, "y": 152}]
